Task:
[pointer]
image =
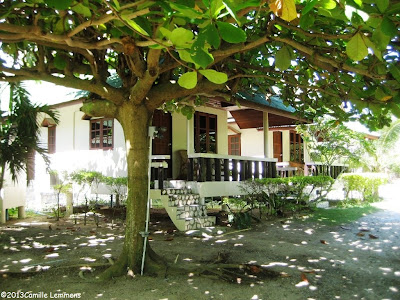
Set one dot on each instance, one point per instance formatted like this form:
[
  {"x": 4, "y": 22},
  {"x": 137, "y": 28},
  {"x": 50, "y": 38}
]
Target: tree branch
[
  {"x": 324, "y": 36},
  {"x": 106, "y": 92},
  {"x": 337, "y": 65},
  {"x": 168, "y": 91},
  {"x": 99, "y": 108}
]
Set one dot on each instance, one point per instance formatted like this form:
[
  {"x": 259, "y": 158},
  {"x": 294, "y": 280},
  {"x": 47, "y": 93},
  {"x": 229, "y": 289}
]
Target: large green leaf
[
  {"x": 382, "y": 5},
  {"x": 328, "y": 4},
  {"x": 231, "y": 33},
  {"x": 395, "y": 71},
  {"x": 356, "y": 48},
  {"x": 230, "y": 9},
  {"x": 181, "y": 37},
  {"x": 214, "y": 76},
  {"x": 211, "y": 35},
  {"x": 310, "y": 5},
  {"x": 380, "y": 39},
  {"x": 371, "y": 45},
  {"x": 388, "y": 27},
  {"x": 188, "y": 80},
  {"x": 59, "y": 4},
  {"x": 202, "y": 57},
  {"x": 283, "y": 58},
  {"x": 82, "y": 9}
]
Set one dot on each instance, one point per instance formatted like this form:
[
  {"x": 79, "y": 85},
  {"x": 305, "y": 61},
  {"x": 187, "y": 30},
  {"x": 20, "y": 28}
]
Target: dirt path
[{"x": 360, "y": 260}]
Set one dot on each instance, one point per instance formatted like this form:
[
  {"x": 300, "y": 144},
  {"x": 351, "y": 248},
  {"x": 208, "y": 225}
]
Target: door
[
  {"x": 162, "y": 145},
  {"x": 278, "y": 145}
]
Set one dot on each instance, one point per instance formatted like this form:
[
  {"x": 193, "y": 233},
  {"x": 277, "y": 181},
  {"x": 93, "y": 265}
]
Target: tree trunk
[{"x": 135, "y": 121}]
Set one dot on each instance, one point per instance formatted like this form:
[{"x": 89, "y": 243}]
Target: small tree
[
  {"x": 62, "y": 187},
  {"x": 329, "y": 142},
  {"x": 117, "y": 186},
  {"x": 87, "y": 179}
]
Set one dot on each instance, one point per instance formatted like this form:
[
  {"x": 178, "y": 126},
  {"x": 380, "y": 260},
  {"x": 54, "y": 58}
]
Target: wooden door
[
  {"x": 163, "y": 145},
  {"x": 278, "y": 145}
]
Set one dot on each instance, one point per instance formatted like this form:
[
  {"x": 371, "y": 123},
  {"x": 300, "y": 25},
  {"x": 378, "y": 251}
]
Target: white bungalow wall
[{"x": 73, "y": 152}]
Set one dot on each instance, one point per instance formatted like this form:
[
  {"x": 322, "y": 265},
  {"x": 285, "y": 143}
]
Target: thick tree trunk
[{"x": 135, "y": 121}]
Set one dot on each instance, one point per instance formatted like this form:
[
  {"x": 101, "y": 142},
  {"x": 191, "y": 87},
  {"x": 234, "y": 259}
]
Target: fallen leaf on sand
[
  {"x": 303, "y": 277},
  {"x": 49, "y": 250},
  {"x": 169, "y": 238},
  {"x": 360, "y": 234},
  {"x": 324, "y": 242},
  {"x": 364, "y": 229},
  {"x": 374, "y": 237}
]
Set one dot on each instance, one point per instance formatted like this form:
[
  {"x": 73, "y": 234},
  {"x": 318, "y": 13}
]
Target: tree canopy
[{"x": 317, "y": 55}]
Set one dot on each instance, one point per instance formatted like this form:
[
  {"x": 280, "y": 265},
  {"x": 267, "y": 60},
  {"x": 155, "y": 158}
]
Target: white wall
[{"x": 252, "y": 141}]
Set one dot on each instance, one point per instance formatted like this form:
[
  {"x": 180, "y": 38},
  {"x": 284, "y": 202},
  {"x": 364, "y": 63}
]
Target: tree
[
  {"x": 170, "y": 54},
  {"x": 328, "y": 142},
  {"x": 19, "y": 132},
  {"x": 380, "y": 155}
]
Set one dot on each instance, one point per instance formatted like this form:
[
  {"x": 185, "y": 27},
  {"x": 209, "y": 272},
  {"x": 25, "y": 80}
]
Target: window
[
  {"x": 234, "y": 144},
  {"x": 205, "y": 133},
  {"x": 296, "y": 147},
  {"x": 51, "y": 139},
  {"x": 101, "y": 134}
]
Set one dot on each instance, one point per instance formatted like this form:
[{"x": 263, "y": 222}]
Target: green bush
[
  {"x": 280, "y": 195},
  {"x": 367, "y": 184}
]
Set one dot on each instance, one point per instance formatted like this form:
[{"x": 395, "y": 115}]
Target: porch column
[
  {"x": 2, "y": 211},
  {"x": 266, "y": 131},
  {"x": 190, "y": 136},
  {"x": 21, "y": 212}
]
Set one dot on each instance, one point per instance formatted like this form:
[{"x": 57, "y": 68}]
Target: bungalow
[{"x": 210, "y": 154}]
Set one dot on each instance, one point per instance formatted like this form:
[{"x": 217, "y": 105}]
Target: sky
[{"x": 41, "y": 93}]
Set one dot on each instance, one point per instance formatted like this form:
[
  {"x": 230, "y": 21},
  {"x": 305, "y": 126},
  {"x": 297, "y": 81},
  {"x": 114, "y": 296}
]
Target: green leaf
[
  {"x": 185, "y": 56},
  {"x": 356, "y": 48},
  {"x": 371, "y": 45},
  {"x": 395, "y": 109},
  {"x": 165, "y": 32},
  {"x": 59, "y": 4},
  {"x": 388, "y": 27},
  {"x": 186, "y": 11},
  {"x": 328, "y": 4},
  {"x": 380, "y": 39},
  {"x": 310, "y": 5},
  {"x": 231, "y": 33},
  {"x": 214, "y": 76},
  {"x": 395, "y": 71},
  {"x": 307, "y": 21},
  {"x": 215, "y": 7},
  {"x": 188, "y": 80},
  {"x": 231, "y": 12},
  {"x": 381, "y": 95},
  {"x": 59, "y": 62},
  {"x": 181, "y": 37},
  {"x": 133, "y": 24},
  {"x": 382, "y": 5},
  {"x": 283, "y": 58},
  {"x": 211, "y": 35},
  {"x": 202, "y": 57},
  {"x": 82, "y": 9}
]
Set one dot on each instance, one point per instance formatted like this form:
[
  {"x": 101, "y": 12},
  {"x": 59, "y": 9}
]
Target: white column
[
  {"x": 190, "y": 136},
  {"x": 266, "y": 131},
  {"x": 2, "y": 211},
  {"x": 69, "y": 209},
  {"x": 21, "y": 212}
]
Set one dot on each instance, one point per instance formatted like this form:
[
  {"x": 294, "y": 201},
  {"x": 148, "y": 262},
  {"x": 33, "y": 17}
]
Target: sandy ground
[{"x": 359, "y": 260}]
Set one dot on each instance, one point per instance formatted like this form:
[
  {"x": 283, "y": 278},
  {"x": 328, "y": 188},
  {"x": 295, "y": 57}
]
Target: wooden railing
[
  {"x": 215, "y": 167},
  {"x": 335, "y": 170}
]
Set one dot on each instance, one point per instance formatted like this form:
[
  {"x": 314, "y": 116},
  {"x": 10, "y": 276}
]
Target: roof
[{"x": 273, "y": 101}]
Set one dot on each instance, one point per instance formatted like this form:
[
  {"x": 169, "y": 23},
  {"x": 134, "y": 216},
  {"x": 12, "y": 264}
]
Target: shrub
[{"x": 367, "y": 184}]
